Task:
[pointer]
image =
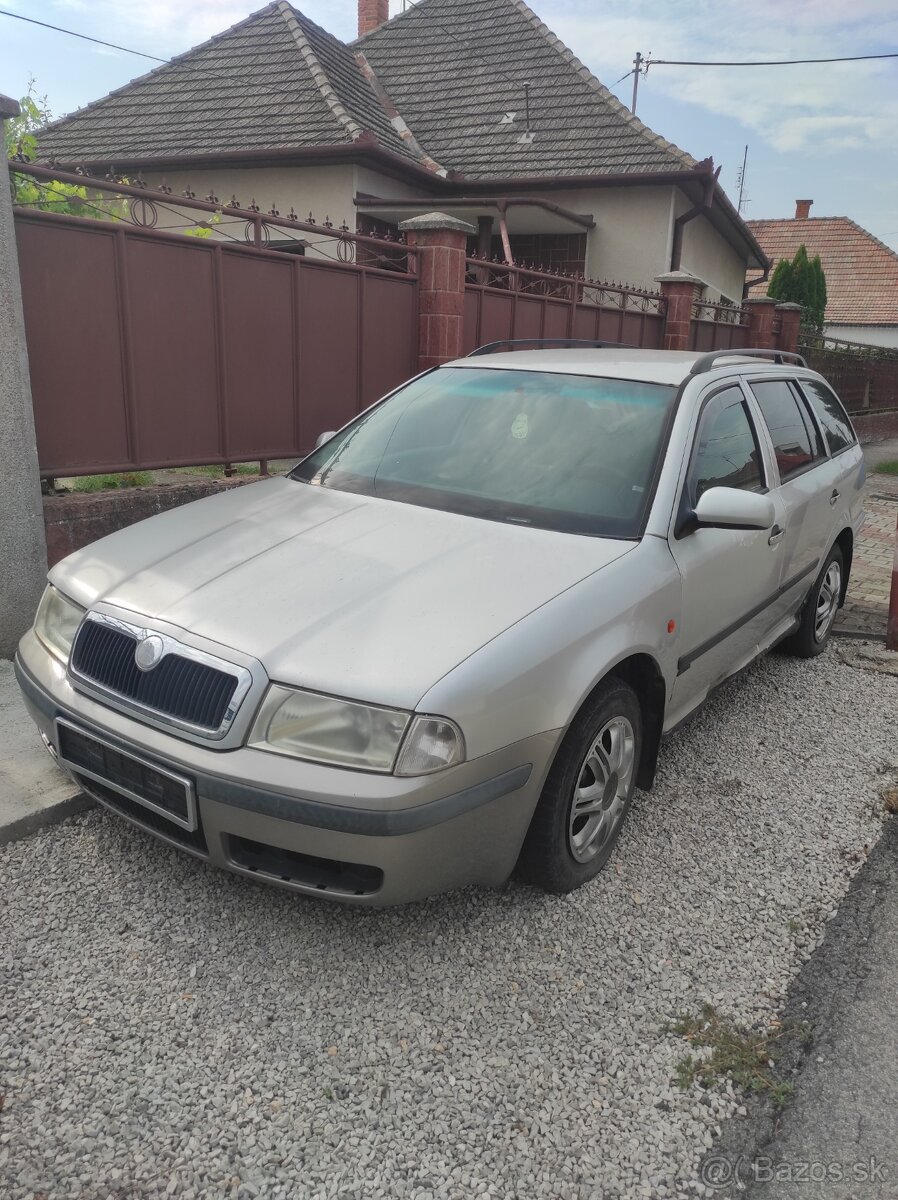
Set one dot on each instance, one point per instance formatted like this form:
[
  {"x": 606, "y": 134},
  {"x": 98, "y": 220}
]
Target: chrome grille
[{"x": 180, "y": 687}]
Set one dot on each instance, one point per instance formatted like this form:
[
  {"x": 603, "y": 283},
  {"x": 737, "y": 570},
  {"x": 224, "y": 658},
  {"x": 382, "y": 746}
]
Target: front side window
[
  {"x": 796, "y": 442},
  {"x": 727, "y": 453},
  {"x": 572, "y": 453},
  {"x": 830, "y": 414}
]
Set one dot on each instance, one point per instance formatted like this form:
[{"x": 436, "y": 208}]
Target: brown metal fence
[
  {"x": 718, "y": 327},
  {"x": 503, "y": 301},
  {"x": 865, "y": 376},
  {"x": 149, "y": 349}
]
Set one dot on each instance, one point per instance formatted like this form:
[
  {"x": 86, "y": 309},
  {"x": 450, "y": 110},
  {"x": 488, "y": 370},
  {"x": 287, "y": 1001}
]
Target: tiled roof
[
  {"x": 450, "y": 68},
  {"x": 861, "y": 272},
  {"x": 274, "y": 81},
  {"x": 453, "y": 68}
]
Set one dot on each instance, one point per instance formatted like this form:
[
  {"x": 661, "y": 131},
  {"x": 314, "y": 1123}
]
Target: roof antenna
[
  {"x": 526, "y": 138},
  {"x": 740, "y": 179}
]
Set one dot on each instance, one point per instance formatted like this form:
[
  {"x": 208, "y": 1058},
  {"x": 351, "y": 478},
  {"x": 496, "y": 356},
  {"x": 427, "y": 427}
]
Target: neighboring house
[
  {"x": 861, "y": 272},
  {"x": 467, "y": 106}
]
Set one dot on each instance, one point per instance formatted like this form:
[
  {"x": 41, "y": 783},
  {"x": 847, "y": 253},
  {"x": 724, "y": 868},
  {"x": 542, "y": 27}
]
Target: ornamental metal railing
[{"x": 118, "y": 197}]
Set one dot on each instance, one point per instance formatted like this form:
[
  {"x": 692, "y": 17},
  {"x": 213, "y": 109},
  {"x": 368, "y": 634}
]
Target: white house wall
[
  {"x": 872, "y": 335},
  {"x": 325, "y": 191},
  {"x": 631, "y": 240},
  {"x": 709, "y": 256}
]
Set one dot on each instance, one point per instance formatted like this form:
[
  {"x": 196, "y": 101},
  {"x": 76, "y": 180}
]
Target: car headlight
[
  {"x": 57, "y": 621},
  {"x": 347, "y": 734},
  {"x": 308, "y": 725}
]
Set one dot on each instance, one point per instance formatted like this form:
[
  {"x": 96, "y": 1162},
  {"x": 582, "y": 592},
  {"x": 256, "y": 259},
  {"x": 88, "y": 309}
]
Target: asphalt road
[{"x": 838, "y": 1137}]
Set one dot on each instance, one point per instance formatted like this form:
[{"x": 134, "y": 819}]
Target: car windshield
[{"x": 571, "y": 453}]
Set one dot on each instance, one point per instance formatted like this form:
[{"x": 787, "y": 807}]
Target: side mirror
[
  {"x": 325, "y": 437},
  {"x": 732, "y": 508}
]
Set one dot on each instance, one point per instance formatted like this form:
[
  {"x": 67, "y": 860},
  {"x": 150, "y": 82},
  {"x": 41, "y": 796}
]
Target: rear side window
[
  {"x": 727, "y": 454},
  {"x": 796, "y": 442},
  {"x": 830, "y": 414}
]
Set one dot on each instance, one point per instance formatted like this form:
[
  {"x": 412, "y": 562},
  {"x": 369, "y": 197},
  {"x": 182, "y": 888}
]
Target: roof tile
[
  {"x": 861, "y": 271},
  {"x": 451, "y": 68}
]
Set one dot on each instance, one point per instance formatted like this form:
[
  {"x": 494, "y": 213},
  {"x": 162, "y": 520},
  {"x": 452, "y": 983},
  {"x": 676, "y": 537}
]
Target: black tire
[
  {"x": 809, "y": 640},
  {"x": 548, "y": 858}
]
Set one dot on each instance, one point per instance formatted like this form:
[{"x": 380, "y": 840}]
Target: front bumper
[{"x": 344, "y": 835}]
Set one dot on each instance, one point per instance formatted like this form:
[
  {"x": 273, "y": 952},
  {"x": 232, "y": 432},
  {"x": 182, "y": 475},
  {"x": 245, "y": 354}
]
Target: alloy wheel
[
  {"x": 827, "y": 601},
  {"x": 603, "y": 784}
]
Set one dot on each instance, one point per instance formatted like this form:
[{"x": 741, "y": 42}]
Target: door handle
[
  {"x": 776, "y": 535},
  {"x": 835, "y": 496}
]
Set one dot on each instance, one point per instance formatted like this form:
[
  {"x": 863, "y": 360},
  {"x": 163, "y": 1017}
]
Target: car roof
[{"x": 646, "y": 366}]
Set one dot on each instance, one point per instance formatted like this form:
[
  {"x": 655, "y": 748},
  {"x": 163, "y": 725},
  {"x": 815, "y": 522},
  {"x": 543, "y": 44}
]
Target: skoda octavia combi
[{"x": 447, "y": 645}]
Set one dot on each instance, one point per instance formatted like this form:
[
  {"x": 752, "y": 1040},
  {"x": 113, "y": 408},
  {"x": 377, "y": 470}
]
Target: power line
[
  {"x": 84, "y": 37},
  {"x": 641, "y": 65},
  {"x": 772, "y": 62},
  {"x": 180, "y": 62}
]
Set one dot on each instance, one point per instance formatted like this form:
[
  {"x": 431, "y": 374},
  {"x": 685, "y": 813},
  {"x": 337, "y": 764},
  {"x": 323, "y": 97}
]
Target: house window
[{"x": 543, "y": 251}]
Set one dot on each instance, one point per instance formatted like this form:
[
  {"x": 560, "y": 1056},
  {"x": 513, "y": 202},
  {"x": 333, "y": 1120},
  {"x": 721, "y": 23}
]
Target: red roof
[{"x": 861, "y": 271}]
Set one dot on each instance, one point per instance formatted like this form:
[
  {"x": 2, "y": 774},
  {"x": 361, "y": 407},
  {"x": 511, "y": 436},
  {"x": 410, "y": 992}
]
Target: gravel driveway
[{"x": 169, "y": 1030}]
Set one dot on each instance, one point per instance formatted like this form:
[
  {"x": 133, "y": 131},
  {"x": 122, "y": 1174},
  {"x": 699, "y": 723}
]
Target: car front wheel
[{"x": 587, "y": 793}]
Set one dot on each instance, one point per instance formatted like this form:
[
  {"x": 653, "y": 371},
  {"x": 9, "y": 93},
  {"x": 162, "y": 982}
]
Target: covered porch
[{"x": 523, "y": 230}]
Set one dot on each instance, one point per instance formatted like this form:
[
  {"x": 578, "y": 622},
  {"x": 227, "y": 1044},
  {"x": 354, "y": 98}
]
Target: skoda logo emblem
[{"x": 149, "y": 650}]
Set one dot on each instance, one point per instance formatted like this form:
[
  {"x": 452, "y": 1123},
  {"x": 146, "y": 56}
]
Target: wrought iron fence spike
[
  {"x": 140, "y": 181},
  {"x": 212, "y": 198},
  {"x": 344, "y": 228},
  {"x": 291, "y": 215},
  {"x": 164, "y": 187},
  {"x": 311, "y": 220},
  {"x": 233, "y": 202},
  {"x": 253, "y": 206},
  {"x": 189, "y": 193},
  {"x": 328, "y": 223},
  {"x": 273, "y": 211}
]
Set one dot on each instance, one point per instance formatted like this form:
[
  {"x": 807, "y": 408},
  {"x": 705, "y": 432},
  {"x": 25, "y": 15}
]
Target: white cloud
[{"x": 825, "y": 107}]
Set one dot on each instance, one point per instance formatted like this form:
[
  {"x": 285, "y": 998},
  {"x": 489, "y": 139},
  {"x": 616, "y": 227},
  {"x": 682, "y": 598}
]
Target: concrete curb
[{"x": 33, "y": 822}]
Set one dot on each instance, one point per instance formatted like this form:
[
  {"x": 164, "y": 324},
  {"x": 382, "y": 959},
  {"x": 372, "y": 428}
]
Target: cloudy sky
[{"x": 828, "y": 133}]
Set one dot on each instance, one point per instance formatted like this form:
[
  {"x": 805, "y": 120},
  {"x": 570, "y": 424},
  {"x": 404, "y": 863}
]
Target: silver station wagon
[{"x": 447, "y": 645}]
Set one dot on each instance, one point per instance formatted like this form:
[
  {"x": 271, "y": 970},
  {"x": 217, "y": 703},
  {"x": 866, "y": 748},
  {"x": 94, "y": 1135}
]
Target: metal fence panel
[
  {"x": 149, "y": 349},
  {"x": 74, "y": 343}
]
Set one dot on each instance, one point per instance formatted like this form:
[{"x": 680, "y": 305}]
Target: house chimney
[
  {"x": 802, "y": 207},
  {"x": 371, "y": 14}
]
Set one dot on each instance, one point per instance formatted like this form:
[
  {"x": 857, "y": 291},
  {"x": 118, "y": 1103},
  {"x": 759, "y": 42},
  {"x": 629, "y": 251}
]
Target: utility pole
[
  {"x": 742, "y": 180},
  {"x": 637, "y": 63}
]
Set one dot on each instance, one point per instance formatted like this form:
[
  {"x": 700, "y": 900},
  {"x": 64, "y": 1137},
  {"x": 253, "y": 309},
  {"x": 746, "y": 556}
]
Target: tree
[
  {"x": 801, "y": 281},
  {"x": 20, "y": 137}
]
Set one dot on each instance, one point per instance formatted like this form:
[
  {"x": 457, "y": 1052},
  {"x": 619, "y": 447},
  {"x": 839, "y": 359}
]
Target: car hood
[{"x": 353, "y": 595}]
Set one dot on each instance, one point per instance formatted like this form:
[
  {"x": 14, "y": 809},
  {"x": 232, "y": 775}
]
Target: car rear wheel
[
  {"x": 819, "y": 612},
  {"x": 587, "y": 793}
]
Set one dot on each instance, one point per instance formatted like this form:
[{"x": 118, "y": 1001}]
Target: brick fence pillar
[
  {"x": 23, "y": 550},
  {"x": 441, "y": 242},
  {"x": 790, "y": 316},
  {"x": 678, "y": 289},
  {"x": 760, "y": 322}
]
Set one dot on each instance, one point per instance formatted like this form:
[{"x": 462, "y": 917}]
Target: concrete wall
[
  {"x": 23, "y": 564},
  {"x": 873, "y": 335}
]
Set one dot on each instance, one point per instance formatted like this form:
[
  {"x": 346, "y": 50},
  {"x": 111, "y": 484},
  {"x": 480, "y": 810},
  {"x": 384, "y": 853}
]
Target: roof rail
[
  {"x": 707, "y": 361},
  {"x": 539, "y": 343}
]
